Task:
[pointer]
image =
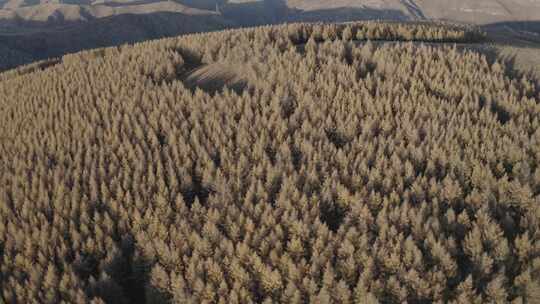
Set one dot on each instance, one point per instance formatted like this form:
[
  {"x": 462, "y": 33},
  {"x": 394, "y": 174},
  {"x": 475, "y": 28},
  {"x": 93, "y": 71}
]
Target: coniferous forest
[{"x": 335, "y": 169}]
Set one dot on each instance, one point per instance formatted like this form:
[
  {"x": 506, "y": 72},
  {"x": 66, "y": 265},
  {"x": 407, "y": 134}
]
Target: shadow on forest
[
  {"x": 126, "y": 276},
  {"x": 197, "y": 191},
  {"x": 332, "y": 215},
  {"x": 338, "y": 139},
  {"x": 128, "y": 279}
]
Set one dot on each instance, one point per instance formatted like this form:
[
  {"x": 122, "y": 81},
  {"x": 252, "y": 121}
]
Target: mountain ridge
[{"x": 478, "y": 12}]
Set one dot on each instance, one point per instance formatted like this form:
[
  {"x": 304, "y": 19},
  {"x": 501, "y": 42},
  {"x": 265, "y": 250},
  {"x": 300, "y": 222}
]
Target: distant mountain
[
  {"x": 477, "y": 11},
  {"x": 52, "y": 29},
  {"x": 62, "y": 12},
  {"x": 37, "y": 29}
]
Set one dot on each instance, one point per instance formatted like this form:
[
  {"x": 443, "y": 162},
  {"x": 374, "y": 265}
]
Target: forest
[{"x": 339, "y": 168}]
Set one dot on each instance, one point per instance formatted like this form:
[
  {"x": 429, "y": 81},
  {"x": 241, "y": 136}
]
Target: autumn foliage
[{"x": 343, "y": 171}]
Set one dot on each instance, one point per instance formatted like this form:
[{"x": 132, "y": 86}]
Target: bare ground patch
[{"x": 215, "y": 77}]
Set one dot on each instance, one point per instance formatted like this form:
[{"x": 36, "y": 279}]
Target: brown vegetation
[{"x": 339, "y": 174}]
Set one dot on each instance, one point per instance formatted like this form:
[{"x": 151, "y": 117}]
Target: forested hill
[
  {"x": 35, "y": 30},
  {"x": 300, "y": 163}
]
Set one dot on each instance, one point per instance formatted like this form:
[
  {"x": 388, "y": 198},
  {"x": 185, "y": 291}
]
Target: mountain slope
[
  {"x": 58, "y": 13},
  {"x": 481, "y": 11},
  {"x": 41, "y": 29},
  {"x": 478, "y": 12},
  {"x": 125, "y": 28}
]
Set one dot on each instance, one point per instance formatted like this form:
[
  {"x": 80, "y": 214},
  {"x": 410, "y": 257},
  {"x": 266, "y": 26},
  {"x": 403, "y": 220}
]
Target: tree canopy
[{"x": 344, "y": 170}]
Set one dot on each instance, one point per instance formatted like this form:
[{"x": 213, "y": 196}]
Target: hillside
[
  {"x": 52, "y": 29},
  {"x": 116, "y": 30},
  {"x": 479, "y": 12},
  {"x": 301, "y": 163},
  {"x": 40, "y": 29}
]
